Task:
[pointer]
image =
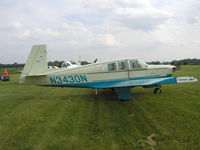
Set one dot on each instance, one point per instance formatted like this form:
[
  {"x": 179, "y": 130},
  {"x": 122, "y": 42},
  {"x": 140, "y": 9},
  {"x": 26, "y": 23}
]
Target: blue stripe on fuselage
[{"x": 120, "y": 82}]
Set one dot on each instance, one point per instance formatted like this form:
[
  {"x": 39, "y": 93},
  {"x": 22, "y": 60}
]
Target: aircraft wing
[{"x": 143, "y": 82}]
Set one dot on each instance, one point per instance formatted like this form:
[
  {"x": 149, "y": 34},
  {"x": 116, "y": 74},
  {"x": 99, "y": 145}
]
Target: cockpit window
[
  {"x": 135, "y": 64},
  {"x": 122, "y": 65},
  {"x": 63, "y": 65},
  {"x": 112, "y": 67}
]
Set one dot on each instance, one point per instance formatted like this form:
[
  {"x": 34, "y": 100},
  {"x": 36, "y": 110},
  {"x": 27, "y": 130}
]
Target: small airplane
[
  {"x": 69, "y": 64},
  {"x": 118, "y": 75}
]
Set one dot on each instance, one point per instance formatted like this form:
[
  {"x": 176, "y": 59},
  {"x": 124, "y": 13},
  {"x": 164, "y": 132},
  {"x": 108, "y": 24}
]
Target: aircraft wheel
[{"x": 157, "y": 91}]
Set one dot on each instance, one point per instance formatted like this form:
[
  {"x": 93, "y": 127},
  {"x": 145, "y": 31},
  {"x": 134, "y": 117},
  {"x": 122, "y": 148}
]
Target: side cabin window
[
  {"x": 112, "y": 67},
  {"x": 134, "y": 64},
  {"x": 63, "y": 65},
  {"x": 122, "y": 65},
  {"x": 67, "y": 64}
]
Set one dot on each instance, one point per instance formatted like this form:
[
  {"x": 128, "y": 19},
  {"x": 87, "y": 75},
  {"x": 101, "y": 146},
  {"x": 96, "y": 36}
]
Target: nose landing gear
[{"x": 157, "y": 90}]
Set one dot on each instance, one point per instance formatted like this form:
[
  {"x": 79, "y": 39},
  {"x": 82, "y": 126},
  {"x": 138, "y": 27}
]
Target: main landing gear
[
  {"x": 96, "y": 92},
  {"x": 157, "y": 90}
]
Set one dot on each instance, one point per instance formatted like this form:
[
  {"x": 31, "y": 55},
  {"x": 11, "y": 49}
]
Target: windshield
[
  {"x": 73, "y": 62},
  {"x": 145, "y": 64}
]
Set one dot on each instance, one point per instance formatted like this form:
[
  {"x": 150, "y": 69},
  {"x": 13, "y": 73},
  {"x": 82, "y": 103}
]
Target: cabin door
[
  {"x": 136, "y": 70},
  {"x": 123, "y": 68}
]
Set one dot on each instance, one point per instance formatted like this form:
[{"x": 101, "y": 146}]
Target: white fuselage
[{"x": 101, "y": 72}]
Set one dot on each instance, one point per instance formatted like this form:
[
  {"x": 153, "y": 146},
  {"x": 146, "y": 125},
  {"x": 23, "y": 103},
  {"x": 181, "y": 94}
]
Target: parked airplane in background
[
  {"x": 119, "y": 75},
  {"x": 69, "y": 64}
]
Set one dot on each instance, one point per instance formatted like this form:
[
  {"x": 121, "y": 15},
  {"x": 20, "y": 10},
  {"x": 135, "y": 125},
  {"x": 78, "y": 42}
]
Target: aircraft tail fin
[{"x": 36, "y": 63}]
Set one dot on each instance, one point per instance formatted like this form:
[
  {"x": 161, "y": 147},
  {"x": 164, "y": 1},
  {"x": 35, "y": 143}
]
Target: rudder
[{"x": 36, "y": 63}]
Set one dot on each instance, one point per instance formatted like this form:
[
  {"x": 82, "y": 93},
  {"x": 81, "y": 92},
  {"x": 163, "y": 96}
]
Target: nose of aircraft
[{"x": 174, "y": 68}]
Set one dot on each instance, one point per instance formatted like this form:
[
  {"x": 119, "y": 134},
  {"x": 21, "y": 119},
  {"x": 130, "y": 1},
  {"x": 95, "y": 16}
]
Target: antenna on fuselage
[
  {"x": 95, "y": 60},
  {"x": 79, "y": 61}
]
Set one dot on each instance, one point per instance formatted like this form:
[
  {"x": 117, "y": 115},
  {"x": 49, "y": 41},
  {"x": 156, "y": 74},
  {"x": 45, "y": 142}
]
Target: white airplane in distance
[{"x": 118, "y": 75}]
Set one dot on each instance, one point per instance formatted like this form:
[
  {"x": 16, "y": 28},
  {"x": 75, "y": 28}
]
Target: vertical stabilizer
[{"x": 36, "y": 63}]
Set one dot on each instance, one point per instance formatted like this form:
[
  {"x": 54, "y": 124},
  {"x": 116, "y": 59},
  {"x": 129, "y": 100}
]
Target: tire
[{"x": 157, "y": 90}]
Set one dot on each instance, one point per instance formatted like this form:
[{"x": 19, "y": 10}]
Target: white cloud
[
  {"x": 137, "y": 14},
  {"x": 16, "y": 25},
  {"x": 44, "y": 33},
  {"x": 108, "y": 39}
]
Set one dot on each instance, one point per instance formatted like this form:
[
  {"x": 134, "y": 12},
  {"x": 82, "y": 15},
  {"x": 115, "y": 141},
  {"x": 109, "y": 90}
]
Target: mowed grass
[{"x": 45, "y": 118}]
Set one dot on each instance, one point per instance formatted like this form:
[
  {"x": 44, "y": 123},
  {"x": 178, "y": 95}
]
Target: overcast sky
[{"x": 104, "y": 29}]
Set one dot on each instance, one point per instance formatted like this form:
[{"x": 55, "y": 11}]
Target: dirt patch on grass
[{"x": 151, "y": 140}]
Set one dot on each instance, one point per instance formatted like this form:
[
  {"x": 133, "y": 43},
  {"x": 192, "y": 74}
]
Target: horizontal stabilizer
[{"x": 34, "y": 75}]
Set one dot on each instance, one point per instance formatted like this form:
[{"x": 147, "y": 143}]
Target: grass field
[{"x": 45, "y": 118}]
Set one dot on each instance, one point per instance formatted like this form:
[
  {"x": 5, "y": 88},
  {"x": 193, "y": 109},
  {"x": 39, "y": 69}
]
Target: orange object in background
[{"x": 5, "y": 72}]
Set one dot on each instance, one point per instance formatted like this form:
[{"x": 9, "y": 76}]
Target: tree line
[
  {"x": 50, "y": 63},
  {"x": 178, "y": 62},
  {"x": 14, "y": 65}
]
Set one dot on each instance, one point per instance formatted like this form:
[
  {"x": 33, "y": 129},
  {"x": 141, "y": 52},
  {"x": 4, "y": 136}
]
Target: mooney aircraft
[{"x": 118, "y": 75}]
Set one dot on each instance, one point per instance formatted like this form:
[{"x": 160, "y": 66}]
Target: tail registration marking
[{"x": 68, "y": 79}]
